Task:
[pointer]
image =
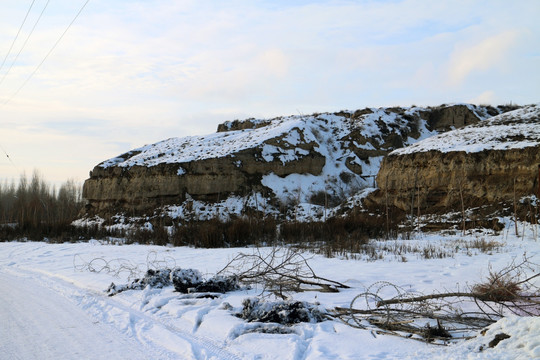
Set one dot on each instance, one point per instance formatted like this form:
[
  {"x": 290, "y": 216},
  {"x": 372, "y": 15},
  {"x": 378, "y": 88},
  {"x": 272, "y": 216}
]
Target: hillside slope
[{"x": 285, "y": 166}]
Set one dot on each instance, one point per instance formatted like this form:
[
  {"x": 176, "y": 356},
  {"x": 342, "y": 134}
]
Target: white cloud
[
  {"x": 489, "y": 53},
  {"x": 487, "y": 97}
]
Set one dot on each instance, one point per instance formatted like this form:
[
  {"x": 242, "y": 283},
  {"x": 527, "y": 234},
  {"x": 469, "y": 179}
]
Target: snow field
[{"x": 176, "y": 325}]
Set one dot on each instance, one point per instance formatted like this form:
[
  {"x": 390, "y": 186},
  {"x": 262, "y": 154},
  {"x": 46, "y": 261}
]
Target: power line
[
  {"x": 49, "y": 53},
  {"x": 4, "y": 61},
  {"x": 25, "y": 41},
  {"x": 16, "y": 36},
  {"x": 42, "y": 61}
]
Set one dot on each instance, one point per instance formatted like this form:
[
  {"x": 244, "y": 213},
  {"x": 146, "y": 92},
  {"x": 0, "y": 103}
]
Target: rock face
[
  {"x": 446, "y": 118},
  {"x": 141, "y": 188},
  {"x": 486, "y": 163},
  {"x": 438, "y": 181},
  {"x": 286, "y": 160}
]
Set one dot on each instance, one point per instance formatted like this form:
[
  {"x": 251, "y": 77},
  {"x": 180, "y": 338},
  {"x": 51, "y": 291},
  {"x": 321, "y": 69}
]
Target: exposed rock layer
[
  {"x": 140, "y": 188},
  {"x": 439, "y": 181},
  {"x": 497, "y": 160}
]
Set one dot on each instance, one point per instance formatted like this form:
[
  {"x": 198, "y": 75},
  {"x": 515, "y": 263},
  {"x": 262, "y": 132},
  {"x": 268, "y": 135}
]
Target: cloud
[
  {"x": 487, "y": 97},
  {"x": 274, "y": 62},
  {"x": 489, "y": 53}
]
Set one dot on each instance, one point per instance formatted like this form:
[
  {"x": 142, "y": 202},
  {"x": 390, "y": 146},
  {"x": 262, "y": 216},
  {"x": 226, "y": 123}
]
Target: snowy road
[{"x": 38, "y": 323}]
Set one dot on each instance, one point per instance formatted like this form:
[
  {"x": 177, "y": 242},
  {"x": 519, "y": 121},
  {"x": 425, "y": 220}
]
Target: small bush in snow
[
  {"x": 190, "y": 280},
  {"x": 185, "y": 279},
  {"x": 282, "y": 312},
  {"x": 152, "y": 278},
  {"x": 221, "y": 284},
  {"x": 498, "y": 287}
]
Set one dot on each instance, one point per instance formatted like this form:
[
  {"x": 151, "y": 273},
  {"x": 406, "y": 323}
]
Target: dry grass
[
  {"x": 497, "y": 287},
  {"x": 485, "y": 246},
  {"x": 216, "y": 233}
]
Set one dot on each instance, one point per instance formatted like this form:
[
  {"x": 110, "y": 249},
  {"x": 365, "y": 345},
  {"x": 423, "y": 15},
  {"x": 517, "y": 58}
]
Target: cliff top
[
  {"x": 193, "y": 148},
  {"x": 236, "y": 136},
  {"x": 512, "y": 130}
]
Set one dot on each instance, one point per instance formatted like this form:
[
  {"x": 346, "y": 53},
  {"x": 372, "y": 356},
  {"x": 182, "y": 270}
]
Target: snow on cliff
[
  {"x": 285, "y": 139},
  {"x": 292, "y": 130},
  {"x": 193, "y": 148},
  {"x": 517, "y": 129}
]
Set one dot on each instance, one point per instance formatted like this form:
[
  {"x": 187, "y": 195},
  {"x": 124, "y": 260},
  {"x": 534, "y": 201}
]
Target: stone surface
[
  {"x": 140, "y": 188},
  {"x": 438, "y": 181},
  {"x": 445, "y": 118}
]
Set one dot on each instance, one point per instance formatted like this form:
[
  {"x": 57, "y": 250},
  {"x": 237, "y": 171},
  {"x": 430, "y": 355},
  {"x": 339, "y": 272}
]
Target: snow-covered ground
[
  {"x": 43, "y": 282},
  {"x": 39, "y": 323}
]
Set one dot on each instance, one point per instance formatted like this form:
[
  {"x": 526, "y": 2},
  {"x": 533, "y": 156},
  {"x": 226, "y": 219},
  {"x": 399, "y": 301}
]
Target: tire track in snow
[
  {"x": 155, "y": 333},
  {"x": 39, "y": 323}
]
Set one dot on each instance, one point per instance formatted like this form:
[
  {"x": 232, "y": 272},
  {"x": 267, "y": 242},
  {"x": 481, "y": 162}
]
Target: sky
[{"x": 129, "y": 73}]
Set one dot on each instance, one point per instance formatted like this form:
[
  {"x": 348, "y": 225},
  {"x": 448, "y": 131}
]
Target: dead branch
[
  {"x": 279, "y": 270},
  {"x": 423, "y": 298},
  {"x": 118, "y": 266},
  {"x": 388, "y": 309}
]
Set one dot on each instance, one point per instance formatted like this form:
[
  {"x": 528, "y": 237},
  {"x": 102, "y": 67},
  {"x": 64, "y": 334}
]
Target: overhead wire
[
  {"x": 4, "y": 61},
  {"x": 17, "y": 36},
  {"x": 48, "y": 54},
  {"x": 42, "y": 61},
  {"x": 25, "y": 42}
]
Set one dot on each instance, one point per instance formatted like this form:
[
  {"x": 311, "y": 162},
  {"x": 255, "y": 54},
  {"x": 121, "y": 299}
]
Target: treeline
[{"x": 33, "y": 208}]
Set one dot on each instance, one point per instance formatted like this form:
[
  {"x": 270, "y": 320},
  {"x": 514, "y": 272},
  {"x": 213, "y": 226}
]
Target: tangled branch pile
[
  {"x": 118, "y": 266},
  {"x": 279, "y": 271},
  {"x": 386, "y": 308}
]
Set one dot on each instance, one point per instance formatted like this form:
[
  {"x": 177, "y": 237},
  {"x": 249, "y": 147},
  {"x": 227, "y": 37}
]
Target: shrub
[
  {"x": 281, "y": 312},
  {"x": 183, "y": 280},
  {"x": 216, "y": 233}
]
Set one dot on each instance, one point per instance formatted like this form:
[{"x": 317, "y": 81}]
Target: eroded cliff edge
[{"x": 491, "y": 162}]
